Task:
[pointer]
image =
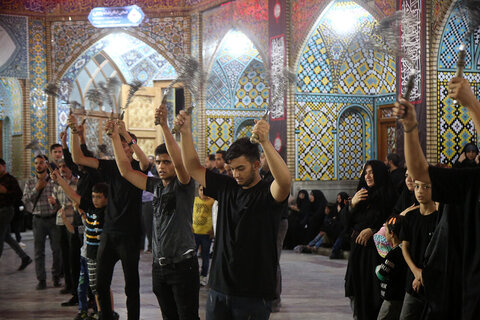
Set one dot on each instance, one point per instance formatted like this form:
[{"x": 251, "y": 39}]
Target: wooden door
[
  {"x": 140, "y": 117},
  {"x": 386, "y": 132}
]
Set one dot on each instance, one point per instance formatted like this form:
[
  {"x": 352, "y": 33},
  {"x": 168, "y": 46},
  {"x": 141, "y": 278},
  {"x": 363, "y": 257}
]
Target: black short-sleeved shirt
[
  {"x": 124, "y": 200},
  {"x": 459, "y": 192},
  {"x": 172, "y": 232},
  {"x": 418, "y": 231},
  {"x": 245, "y": 255}
]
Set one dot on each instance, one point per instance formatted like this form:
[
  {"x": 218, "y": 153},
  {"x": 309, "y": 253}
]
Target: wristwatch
[{"x": 132, "y": 142}]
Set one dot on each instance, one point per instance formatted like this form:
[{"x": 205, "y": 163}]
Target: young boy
[
  {"x": 415, "y": 235},
  {"x": 391, "y": 272},
  {"x": 93, "y": 218},
  {"x": 203, "y": 229}
]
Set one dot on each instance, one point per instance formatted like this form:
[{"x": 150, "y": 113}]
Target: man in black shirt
[
  {"x": 220, "y": 162},
  {"x": 121, "y": 230},
  {"x": 397, "y": 174},
  {"x": 245, "y": 258},
  {"x": 175, "y": 271},
  {"x": 453, "y": 257}
]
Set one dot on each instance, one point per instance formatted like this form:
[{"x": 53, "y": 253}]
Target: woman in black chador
[
  {"x": 371, "y": 205},
  {"x": 468, "y": 157}
]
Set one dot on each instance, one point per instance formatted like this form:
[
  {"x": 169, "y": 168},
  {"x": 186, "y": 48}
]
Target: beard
[{"x": 249, "y": 180}]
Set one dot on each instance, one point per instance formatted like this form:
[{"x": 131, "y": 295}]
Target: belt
[
  {"x": 44, "y": 217},
  {"x": 163, "y": 261}
]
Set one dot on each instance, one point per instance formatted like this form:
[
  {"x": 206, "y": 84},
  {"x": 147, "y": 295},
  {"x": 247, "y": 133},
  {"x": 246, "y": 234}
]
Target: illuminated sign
[{"x": 109, "y": 17}]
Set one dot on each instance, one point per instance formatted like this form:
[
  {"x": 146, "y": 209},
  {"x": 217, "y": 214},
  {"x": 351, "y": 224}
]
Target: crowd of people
[{"x": 410, "y": 233}]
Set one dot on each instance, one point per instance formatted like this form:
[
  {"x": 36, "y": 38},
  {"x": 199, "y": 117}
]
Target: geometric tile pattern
[
  {"x": 6, "y": 117},
  {"x": 14, "y": 103},
  {"x": 366, "y": 71},
  {"x": 316, "y": 135},
  {"x": 16, "y": 30},
  {"x": 168, "y": 34},
  {"x": 38, "y": 80},
  {"x": 251, "y": 91},
  {"x": 225, "y": 126},
  {"x": 455, "y": 127},
  {"x": 313, "y": 70},
  {"x": 350, "y": 150},
  {"x": 245, "y": 130},
  {"x": 219, "y": 133}
]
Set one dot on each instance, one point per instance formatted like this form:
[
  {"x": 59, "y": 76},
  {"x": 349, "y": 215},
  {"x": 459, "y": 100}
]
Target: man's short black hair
[
  {"x": 243, "y": 147},
  {"x": 131, "y": 135},
  {"x": 101, "y": 187},
  {"x": 223, "y": 153},
  {"x": 211, "y": 157},
  {"x": 395, "y": 158},
  {"x": 54, "y": 146},
  {"x": 161, "y": 149},
  {"x": 41, "y": 156}
]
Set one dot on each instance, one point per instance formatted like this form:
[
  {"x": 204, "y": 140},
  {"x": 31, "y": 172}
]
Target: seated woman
[
  {"x": 329, "y": 230},
  {"x": 297, "y": 211}
]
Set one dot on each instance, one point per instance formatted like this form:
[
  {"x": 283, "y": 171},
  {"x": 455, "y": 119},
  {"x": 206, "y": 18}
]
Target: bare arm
[
  {"x": 417, "y": 272},
  {"x": 67, "y": 223},
  {"x": 142, "y": 158},
  {"x": 460, "y": 89},
  {"x": 280, "y": 187},
  {"x": 172, "y": 146},
  {"x": 135, "y": 177},
  {"x": 414, "y": 158},
  {"x": 77, "y": 154},
  {"x": 189, "y": 154},
  {"x": 69, "y": 191}
]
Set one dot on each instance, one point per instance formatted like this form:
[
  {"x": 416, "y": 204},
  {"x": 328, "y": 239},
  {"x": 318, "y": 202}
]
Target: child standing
[{"x": 392, "y": 272}]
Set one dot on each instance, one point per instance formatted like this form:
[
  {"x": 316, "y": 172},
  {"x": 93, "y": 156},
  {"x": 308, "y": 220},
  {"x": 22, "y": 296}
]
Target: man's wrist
[{"x": 410, "y": 127}]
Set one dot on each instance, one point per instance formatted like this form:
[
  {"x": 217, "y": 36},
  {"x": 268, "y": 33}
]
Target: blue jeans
[
  {"x": 83, "y": 283},
  {"x": 317, "y": 241},
  {"x": 221, "y": 306},
  {"x": 204, "y": 241}
]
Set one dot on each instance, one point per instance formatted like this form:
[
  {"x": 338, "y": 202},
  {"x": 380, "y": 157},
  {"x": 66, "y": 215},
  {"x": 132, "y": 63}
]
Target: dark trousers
[
  {"x": 221, "y": 306},
  {"x": 204, "y": 241},
  {"x": 70, "y": 245},
  {"x": 6, "y": 216},
  {"x": 176, "y": 287},
  {"x": 114, "y": 247},
  {"x": 282, "y": 231},
  {"x": 147, "y": 217},
  {"x": 41, "y": 229}
]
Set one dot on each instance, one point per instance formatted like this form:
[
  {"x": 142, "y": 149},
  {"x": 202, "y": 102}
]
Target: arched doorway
[
  {"x": 128, "y": 59},
  {"x": 337, "y": 69},
  {"x": 237, "y": 90}
]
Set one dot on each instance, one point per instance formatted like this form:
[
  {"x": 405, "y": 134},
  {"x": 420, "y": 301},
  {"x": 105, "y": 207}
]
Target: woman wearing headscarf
[
  {"x": 297, "y": 213},
  {"x": 370, "y": 207},
  {"x": 468, "y": 157},
  {"x": 316, "y": 214}
]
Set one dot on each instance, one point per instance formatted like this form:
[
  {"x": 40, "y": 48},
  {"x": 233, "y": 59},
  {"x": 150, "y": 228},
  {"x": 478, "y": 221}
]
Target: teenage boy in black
[
  {"x": 245, "y": 258},
  {"x": 175, "y": 272},
  {"x": 121, "y": 231},
  {"x": 453, "y": 258}
]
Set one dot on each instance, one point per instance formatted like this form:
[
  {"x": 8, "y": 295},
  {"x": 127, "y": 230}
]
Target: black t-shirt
[
  {"x": 245, "y": 256},
  {"x": 391, "y": 274},
  {"x": 417, "y": 229},
  {"x": 124, "y": 200},
  {"x": 458, "y": 245}
]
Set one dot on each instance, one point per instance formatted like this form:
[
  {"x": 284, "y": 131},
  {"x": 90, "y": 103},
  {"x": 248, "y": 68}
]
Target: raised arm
[
  {"x": 142, "y": 158},
  {"x": 69, "y": 191},
  {"x": 189, "y": 154},
  {"x": 460, "y": 89},
  {"x": 172, "y": 146},
  {"x": 77, "y": 154},
  {"x": 414, "y": 158},
  {"x": 135, "y": 177},
  {"x": 280, "y": 187}
]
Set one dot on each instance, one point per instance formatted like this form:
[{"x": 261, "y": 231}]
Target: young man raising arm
[
  {"x": 243, "y": 272},
  {"x": 175, "y": 265}
]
